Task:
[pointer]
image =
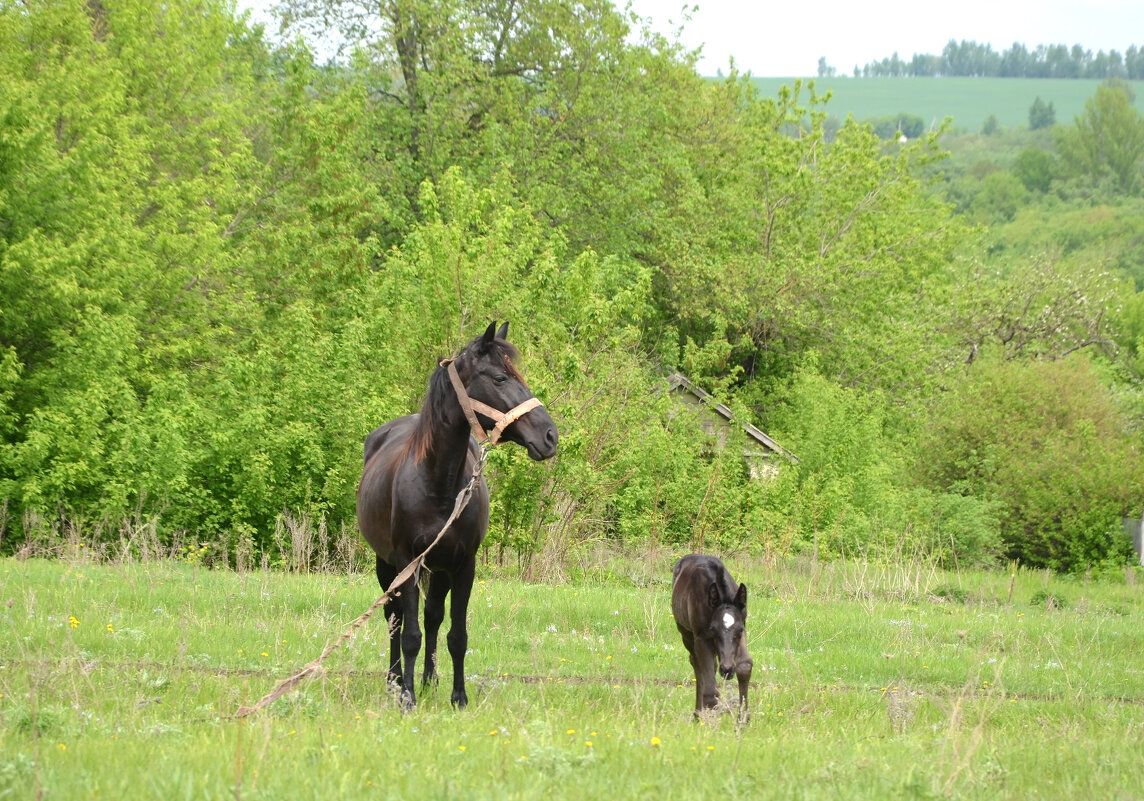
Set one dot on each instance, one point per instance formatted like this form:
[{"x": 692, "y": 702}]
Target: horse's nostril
[{"x": 550, "y": 437}]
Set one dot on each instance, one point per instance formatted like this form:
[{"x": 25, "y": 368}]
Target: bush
[{"x": 1048, "y": 443}]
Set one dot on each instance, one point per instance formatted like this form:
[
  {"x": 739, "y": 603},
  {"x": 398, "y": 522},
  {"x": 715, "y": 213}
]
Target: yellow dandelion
[
  {"x": 74, "y": 622},
  {"x": 110, "y": 627},
  {"x": 710, "y": 748},
  {"x": 493, "y": 733},
  {"x": 570, "y": 731},
  {"x": 588, "y": 743},
  {"x": 62, "y": 747},
  {"x": 461, "y": 747},
  {"x": 655, "y": 741}
]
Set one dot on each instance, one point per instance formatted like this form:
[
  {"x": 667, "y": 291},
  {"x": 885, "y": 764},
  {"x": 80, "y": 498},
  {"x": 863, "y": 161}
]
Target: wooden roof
[{"x": 678, "y": 381}]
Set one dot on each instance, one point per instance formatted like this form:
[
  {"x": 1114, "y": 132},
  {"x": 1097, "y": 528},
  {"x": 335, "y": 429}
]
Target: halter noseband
[{"x": 470, "y": 406}]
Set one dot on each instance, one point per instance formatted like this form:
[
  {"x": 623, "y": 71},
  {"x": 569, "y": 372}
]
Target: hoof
[{"x": 460, "y": 700}]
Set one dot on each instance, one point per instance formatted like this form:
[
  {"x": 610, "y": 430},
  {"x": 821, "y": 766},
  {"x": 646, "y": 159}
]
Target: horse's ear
[
  {"x": 741, "y": 597},
  {"x": 713, "y": 597},
  {"x": 490, "y": 333},
  {"x": 502, "y": 332}
]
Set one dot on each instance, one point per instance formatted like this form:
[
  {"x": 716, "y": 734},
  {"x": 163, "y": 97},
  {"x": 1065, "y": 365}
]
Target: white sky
[{"x": 787, "y": 37}]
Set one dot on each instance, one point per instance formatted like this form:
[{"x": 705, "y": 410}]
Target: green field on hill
[{"x": 969, "y": 101}]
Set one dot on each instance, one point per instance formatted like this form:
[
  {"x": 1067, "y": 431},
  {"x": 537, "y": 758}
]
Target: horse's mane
[{"x": 441, "y": 398}]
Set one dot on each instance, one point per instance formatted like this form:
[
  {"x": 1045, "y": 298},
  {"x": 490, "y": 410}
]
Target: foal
[{"x": 711, "y": 613}]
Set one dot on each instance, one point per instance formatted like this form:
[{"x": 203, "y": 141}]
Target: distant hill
[{"x": 968, "y": 100}]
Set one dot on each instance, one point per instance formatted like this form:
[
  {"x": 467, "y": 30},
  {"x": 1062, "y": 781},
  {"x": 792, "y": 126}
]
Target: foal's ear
[
  {"x": 714, "y": 600},
  {"x": 490, "y": 333},
  {"x": 502, "y": 332},
  {"x": 741, "y": 597}
]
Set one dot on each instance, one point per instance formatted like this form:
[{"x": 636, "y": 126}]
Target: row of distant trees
[{"x": 969, "y": 59}]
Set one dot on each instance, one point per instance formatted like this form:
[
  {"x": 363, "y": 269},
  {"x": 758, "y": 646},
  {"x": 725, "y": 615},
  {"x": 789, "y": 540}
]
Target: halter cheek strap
[{"x": 470, "y": 407}]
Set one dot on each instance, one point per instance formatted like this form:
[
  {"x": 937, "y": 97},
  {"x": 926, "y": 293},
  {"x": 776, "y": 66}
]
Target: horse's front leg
[
  {"x": 410, "y": 639},
  {"x": 458, "y": 628},
  {"x": 434, "y": 615}
]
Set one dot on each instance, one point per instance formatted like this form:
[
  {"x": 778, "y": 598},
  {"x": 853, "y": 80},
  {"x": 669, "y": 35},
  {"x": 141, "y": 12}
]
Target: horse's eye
[{"x": 500, "y": 379}]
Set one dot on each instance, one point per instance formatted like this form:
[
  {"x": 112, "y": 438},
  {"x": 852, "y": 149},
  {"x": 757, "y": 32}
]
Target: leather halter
[{"x": 470, "y": 406}]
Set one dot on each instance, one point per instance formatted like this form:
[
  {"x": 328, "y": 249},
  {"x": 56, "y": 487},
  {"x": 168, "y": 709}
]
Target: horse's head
[
  {"x": 726, "y": 627},
  {"x": 489, "y": 376}
]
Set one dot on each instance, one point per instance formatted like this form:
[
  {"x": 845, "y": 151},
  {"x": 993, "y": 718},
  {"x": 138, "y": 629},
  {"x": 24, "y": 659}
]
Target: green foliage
[
  {"x": 1047, "y": 441},
  {"x": 1035, "y": 169},
  {"x": 221, "y": 265},
  {"x": 1041, "y": 115},
  {"x": 895, "y": 126},
  {"x": 1001, "y": 195},
  {"x": 1106, "y": 144}
]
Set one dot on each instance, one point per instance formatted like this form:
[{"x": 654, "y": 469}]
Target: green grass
[
  {"x": 871, "y": 681},
  {"x": 968, "y": 100}
]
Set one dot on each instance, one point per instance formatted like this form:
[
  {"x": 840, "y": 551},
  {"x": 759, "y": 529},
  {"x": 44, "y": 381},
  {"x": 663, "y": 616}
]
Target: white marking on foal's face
[{"x": 728, "y": 620}]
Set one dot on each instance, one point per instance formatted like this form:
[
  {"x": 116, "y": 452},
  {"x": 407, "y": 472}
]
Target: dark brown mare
[
  {"x": 711, "y": 615},
  {"x": 415, "y": 466}
]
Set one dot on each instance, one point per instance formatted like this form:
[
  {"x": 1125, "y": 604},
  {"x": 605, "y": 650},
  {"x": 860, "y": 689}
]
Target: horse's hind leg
[
  {"x": 434, "y": 614},
  {"x": 458, "y": 628},
  {"x": 386, "y": 573}
]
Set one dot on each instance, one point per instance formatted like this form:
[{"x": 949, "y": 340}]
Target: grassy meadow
[
  {"x": 969, "y": 101},
  {"x": 871, "y": 681}
]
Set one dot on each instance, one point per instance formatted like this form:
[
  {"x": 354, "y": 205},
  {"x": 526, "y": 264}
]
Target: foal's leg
[
  {"x": 434, "y": 614},
  {"x": 689, "y": 644},
  {"x": 458, "y": 628},
  {"x": 743, "y": 666},
  {"x": 386, "y": 573},
  {"x": 706, "y": 691},
  {"x": 743, "y": 673}
]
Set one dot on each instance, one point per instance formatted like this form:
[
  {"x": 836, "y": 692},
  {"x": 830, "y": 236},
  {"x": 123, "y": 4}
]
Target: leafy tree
[
  {"x": 1001, "y": 195},
  {"x": 1106, "y": 142},
  {"x": 1041, "y": 307},
  {"x": 1035, "y": 168}
]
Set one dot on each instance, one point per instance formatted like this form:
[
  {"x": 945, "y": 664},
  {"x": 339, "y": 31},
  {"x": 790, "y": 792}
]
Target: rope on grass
[{"x": 286, "y": 685}]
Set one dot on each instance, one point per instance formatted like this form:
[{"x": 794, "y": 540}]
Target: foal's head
[{"x": 726, "y": 626}]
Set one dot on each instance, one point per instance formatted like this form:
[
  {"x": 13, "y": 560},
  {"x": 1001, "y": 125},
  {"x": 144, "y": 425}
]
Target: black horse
[
  {"x": 415, "y": 466},
  {"x": 711, "y": 614}
]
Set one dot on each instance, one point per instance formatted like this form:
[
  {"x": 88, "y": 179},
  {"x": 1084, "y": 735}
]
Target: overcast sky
[{"x": 787, "y": 37}]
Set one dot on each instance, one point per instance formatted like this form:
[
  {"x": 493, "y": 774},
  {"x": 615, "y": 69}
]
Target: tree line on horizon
[{"x": 971, "y": 59}]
